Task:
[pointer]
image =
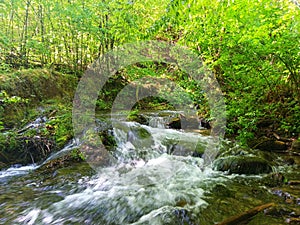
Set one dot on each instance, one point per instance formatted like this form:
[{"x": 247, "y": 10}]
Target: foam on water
[
  {"x": 17, "y": 170},
  {"x": 148, "y": 185},
  {"x": 129, "y": 194}
]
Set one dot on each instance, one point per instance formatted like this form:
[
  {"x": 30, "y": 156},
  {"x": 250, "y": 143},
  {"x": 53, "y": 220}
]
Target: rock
[
  {"x": 243, "y": 165},
  {"x": 190, "y": 123},
  {"x": 184, "y": 147},
  {"x": 108, "y": 140},
  {"x": 140, "y": 137},
  {"x": 277, "y": 211},
  {"x": 70, "y": 164},
  {"x": 293, "y": 221},
  {"x": 63, "y": 161},
  {"x": 183, "y": 122},
  {"x": 141, "y": 119},
  {"x": 175, "y": 123},
  {"x": 205, "y": 124},
  {"x": 296, "y": 146}
]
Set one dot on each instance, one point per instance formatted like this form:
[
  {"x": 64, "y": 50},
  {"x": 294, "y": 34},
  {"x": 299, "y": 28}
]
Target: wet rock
[
  {"x": 140, "y": 132},
  {"x": 139, "y": 137},
  {"x": 293, "y": 221},
  {"x": 2, "y": 165},
  {"x": 141, "y": 119},
  {"x": 108, "y": 140},
  {"x": 184, "y": 147},
  {"x": 63, "y": 161},
  {"x": 243, "y": 165},
  {"x": 204, "y": 123},
  {"x": 221, "y": 190},
  {"x": 277, "y": 211},
  {"x": 288, "y": 194},
  {"x": 183, "y": 122},
  {"x": 175, "y": 123}
]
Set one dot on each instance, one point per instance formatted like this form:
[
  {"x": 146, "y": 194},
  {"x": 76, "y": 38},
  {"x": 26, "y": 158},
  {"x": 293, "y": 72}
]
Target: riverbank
[{"x": 36, "y": 117}]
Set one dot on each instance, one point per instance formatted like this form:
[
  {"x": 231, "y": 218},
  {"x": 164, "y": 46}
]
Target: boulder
[
  {"x": 175, "y": 123},
  {"x": 141, "y": 119},
  {"x": 183, "y": 122},
  {"x": 243, "y": 164},
  {"x": 184, "y": 147},
  {"x": 140, "y": 137},
  {"x": 205, "y": 123}
]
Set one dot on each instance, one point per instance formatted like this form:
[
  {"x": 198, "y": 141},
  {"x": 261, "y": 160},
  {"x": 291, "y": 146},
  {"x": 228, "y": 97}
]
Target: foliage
[
  {"x": 60, "y": 126},
  {"x": 77, "y": 155},
  {"x": 252, "y": 48},
  {"x": 69, "y": 35},
  {"x": 7, "y": 101}
]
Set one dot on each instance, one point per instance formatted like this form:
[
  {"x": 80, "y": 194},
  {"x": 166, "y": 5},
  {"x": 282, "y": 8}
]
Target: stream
[{"x": 156, "y": 179}]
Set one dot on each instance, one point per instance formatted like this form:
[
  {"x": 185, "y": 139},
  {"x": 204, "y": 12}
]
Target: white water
[
  {"x": 73, "y": 144},
  {"x": 148, "y": 185},
  {"x": 133, "y": 194},
  {"x": 17, "y": 170},
  {"x": 157, "y": 122}
]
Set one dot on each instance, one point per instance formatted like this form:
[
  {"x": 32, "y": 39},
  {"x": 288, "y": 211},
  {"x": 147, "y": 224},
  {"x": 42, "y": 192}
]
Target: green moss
[
  {"x": 36, "y": 87},
  {"x": 243, "y": 165}
]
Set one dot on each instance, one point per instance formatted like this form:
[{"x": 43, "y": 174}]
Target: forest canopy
[{"x": 252, "y": 47}]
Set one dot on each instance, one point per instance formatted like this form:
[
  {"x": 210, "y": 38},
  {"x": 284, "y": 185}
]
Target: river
[{"x": 154, "y": 180}]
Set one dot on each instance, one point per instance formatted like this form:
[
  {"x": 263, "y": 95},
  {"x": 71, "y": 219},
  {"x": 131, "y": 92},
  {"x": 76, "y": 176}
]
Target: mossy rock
[
  {"x": 108, "y": 140},
  {"x": 243, "y": 165},
  {"x": 74, "y": 156},
  {"x": 138, "y": 118},
  {"x": 39, "y": 84},
  {"x": 141, "y": 133},
  {"x": 184, "y": 123},
  {"x": 140, "y": 137},
  {"x": 184, "y": 147}
]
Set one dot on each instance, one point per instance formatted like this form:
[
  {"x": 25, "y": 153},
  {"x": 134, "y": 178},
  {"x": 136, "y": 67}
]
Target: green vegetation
[{"x": 252, "y": 47}]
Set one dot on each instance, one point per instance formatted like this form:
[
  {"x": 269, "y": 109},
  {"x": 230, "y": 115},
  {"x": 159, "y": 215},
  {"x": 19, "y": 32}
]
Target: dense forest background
[{"x": 252, "y": 47}]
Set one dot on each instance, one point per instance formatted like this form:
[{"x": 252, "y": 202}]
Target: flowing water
[{"x": 155, "y": 180}]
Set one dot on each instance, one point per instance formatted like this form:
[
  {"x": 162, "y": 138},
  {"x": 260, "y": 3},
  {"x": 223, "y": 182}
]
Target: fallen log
[{"x": 245, "y": 216}]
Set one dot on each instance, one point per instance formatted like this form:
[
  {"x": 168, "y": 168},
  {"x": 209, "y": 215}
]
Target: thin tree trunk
[
  {"x": 42, "y": 31},
  {"x": 25, "y": 36}
]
